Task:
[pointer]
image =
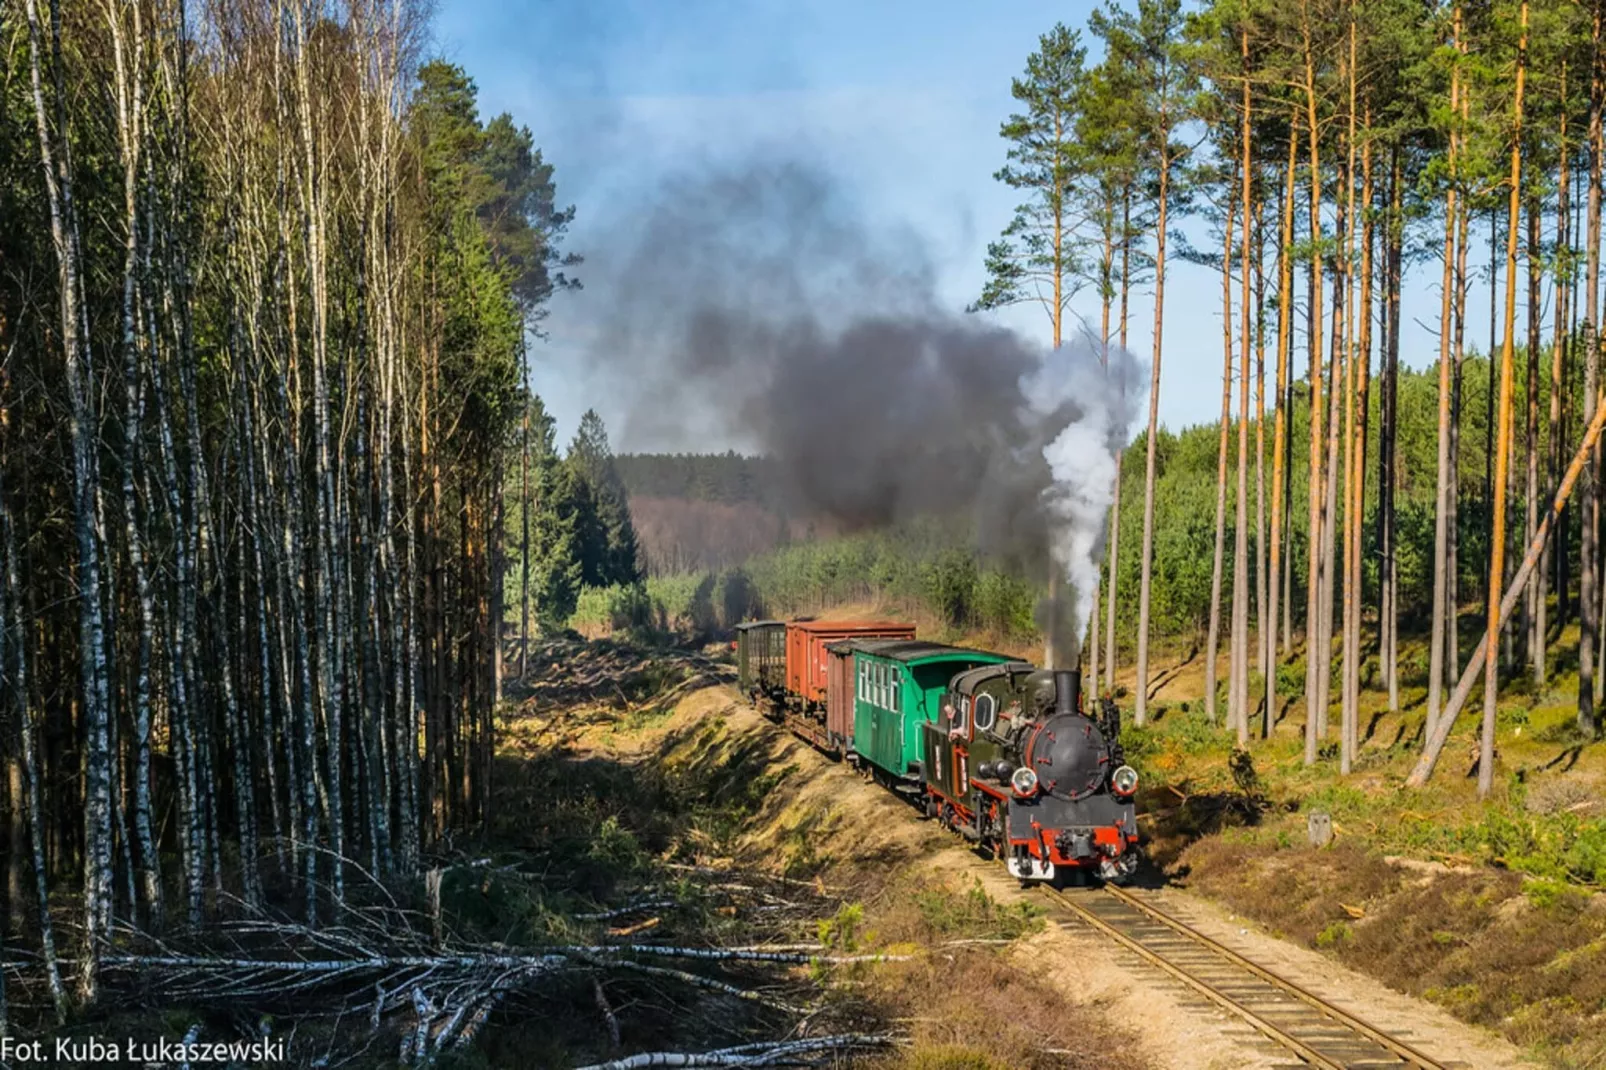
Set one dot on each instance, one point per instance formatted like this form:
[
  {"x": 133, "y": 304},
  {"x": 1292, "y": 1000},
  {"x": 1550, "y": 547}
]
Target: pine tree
[
  {"x": 1148, "y": 44},
  {"x": 612, "y": 554},
  {"x": 1036, "y": 258}
]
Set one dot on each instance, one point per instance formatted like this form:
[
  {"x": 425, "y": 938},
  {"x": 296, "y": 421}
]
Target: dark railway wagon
[
  {"x": 973, "y": 723},
  {"x": 761, "y": 659}
]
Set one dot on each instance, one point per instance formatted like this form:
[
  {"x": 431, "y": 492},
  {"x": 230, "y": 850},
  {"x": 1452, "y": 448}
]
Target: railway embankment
[{"x": 639, "y": 802}]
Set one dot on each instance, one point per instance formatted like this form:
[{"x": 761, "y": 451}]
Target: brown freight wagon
[
  {"x": 839, "y": 695},
  {"x": 807, "y": 663}
]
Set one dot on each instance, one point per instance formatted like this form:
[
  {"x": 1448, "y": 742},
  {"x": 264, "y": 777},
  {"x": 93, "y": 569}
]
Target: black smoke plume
[{"x": 756, "y": 306}]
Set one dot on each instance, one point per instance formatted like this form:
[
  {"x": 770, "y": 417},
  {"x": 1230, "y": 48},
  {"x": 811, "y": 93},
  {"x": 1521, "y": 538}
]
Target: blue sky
[{"x": 900, "y": 100}]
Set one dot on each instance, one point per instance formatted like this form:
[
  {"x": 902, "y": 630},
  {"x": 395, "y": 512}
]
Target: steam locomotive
[{"x": 995, "y": 749}]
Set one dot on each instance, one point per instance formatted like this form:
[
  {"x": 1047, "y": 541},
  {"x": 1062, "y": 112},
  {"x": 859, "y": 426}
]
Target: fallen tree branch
[
  {"x": 606, "y": 1008},
  {"x": 715, "y": 871},
  {"x": 639, "y": 927},
  {"x": 698, "y": 981},
  {"x": 728, "y": 954},
  {"x": 629, "y": 908},
  {"x": 771, "y": 1054}
]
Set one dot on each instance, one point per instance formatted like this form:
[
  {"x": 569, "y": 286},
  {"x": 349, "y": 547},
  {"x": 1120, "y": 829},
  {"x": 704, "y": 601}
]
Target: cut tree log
[{"x": 780, "y": 1053}]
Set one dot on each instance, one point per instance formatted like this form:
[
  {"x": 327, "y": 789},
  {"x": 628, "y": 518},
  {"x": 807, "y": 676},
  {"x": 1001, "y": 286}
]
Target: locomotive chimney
[{"x": 1067, "y": 683}]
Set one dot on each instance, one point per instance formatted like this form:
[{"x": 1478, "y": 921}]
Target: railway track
[{"x": 1292, "y": 1017}]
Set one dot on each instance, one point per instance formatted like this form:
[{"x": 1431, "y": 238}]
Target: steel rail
[
  {"x": 1410, "y": 1055},
  {"x": 1278, "y": 1035},
  {"x": 1210, "y": 992}
]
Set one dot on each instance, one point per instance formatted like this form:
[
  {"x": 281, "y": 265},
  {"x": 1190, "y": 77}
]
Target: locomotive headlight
[
  {"x": 1023, "y": 780},
  {"x": 1124, "y": 781}
]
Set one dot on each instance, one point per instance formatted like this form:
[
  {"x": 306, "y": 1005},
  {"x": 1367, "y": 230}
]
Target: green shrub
[
  {"x": 1547, "y": 894},
  {"x": 1340, "y": 800},
  {"x": 1585, "y": 857},
  {"x": 1004, "y": 604},
  {"x": 949, "y": 585},
  {"x": 840, "y": 932},
  {"x": 975, "y": 913},
  {"x": 1291, "y": 676},
  {"x": 1337, "y": 934}
]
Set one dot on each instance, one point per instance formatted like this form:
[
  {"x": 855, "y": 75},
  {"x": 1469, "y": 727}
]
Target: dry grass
[
  {"x": 970, "y": 1006},
  {"x": 1526, "y": 958}
]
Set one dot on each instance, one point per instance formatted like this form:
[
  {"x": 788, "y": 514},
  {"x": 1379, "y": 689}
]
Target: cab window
[{"x": 986, "y": 712}]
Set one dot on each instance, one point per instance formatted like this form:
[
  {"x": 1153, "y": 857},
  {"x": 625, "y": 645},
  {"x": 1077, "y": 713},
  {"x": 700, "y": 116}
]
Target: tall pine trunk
[
  {"x": 1115, "y": 506},
  {"x": 1387, "y": 267},
  {"x": 1240, "y": 557},
  {"x": 1265, "y": 621},
  {"x": 1316, "y": 661},
  {"x": 1348, "y": 692},
  {"x": 1588, "y": 577},
  {"x": 1444, "y": 482},
  {"x": 1497, "y": 538},
  {"x": 1280, "y": 453},
  {"x": 1553, "y": 564},
  {"x": 1212, "y": 642},
  {"x": 1362, "y": 362},
  {"x": 1534, "y": 591},
  {"x": 1146, "y": 561}
]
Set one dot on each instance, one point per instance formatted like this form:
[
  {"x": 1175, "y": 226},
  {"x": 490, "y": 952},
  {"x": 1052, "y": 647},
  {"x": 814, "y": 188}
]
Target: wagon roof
[
  {"x": 851, "y": 627},
  {"x": 967, "y": 681},
  {"x": 911, "y": 651},
  {"x": 746, "y": 625}
]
